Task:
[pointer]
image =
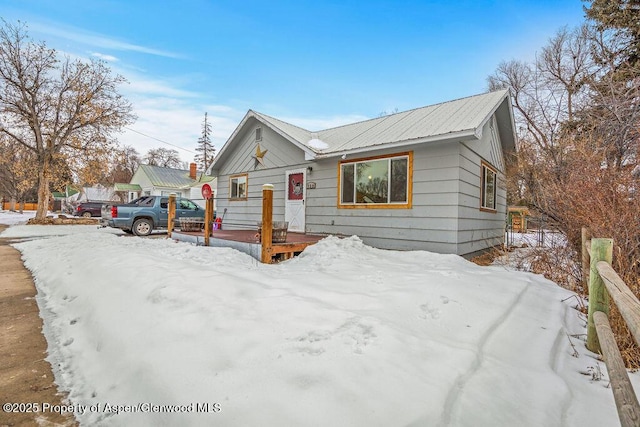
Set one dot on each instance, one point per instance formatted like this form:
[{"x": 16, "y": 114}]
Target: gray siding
[
  {"x": 478, "y": 230},
  {"x": 445, "y": 216},
  {"x": 282, "y": 155},
  {"x": 429, "y": 225}
]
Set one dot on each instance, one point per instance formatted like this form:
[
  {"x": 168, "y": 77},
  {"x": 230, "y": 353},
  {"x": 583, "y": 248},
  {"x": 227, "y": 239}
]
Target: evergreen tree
[
  {"x": 205, "y": 146},
  {"x": 622, "y": 17}
]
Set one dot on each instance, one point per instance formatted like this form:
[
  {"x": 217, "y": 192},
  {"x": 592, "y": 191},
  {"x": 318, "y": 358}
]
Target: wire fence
[{"x": 539, "y": 231}]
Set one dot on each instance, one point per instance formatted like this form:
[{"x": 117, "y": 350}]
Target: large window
[
  {"x": 376, "y": 182},
  {"x": 488, "y": 188},
  {"x": 238, "y": 187}
]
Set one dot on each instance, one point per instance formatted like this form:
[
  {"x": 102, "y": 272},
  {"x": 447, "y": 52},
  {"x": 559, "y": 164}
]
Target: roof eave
[
  {"x": 449, "y": 137},
  {"x": 221, "y": 154},
  {"x": 309, "y": 154}
]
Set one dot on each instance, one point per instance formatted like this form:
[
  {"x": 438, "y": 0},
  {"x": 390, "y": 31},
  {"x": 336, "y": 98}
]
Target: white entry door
[{"x": 295, "y": 194}]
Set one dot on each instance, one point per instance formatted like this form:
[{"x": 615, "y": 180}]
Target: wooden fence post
[
  {"x": 208, "y": 219},
  {"x": 586, "y": 235},
  {"x": 601, "y": 250},
  {"x": 267, "y": 222},
  {"x": 623, "y": 393},
  {"x": 172, "y": 213}
]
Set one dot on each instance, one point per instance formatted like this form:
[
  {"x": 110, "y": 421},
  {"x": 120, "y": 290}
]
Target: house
[
  {"x": 151, "y": 180},
  {"x": 432, "y": 178},
  {"x": 127, "y": 192},
  {"x": 64, "y": 201},
  {"x": 97, "y": 193}
]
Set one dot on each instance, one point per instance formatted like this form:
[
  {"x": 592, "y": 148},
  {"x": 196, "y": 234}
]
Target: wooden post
[
  {"x": 601, "y": 250},
  {"x": 586, "y": 236},
  {"x": 267, "y": 222},
  {"x": 208, "y": 219},
  {"x": 172, "y": 213},
  {"x": 623, "y": 393}
]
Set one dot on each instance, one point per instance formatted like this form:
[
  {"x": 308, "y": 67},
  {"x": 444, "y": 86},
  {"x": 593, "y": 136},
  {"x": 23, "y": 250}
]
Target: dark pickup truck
[
  {"x": 88, "y": 209},
  {"x": 146, "y": 214}
]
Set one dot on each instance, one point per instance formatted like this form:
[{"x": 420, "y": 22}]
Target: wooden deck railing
[{"x": 604, "y": 283}]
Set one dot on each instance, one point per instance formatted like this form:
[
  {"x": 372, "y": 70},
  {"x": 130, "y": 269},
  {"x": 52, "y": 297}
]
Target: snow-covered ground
[
  {"x": 344, "y": 335},
  {"x": 12, "y": 218}
]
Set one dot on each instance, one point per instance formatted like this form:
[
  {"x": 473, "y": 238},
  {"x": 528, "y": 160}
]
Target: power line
[{"x": 159, "y": 140}]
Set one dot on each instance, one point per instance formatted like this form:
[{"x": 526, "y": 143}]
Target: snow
[
  {"x": 344, "y": 334},
  {"x": 318, "y": 144},
  {"x": 13, "y": 218}
]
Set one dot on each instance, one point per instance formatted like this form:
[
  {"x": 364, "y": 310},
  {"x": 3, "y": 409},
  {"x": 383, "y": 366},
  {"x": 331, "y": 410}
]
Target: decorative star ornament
[{"x": 259, "y": 156}]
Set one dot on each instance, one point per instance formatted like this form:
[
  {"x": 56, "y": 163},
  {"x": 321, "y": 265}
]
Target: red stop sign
[{"x": 206, "y": 191}]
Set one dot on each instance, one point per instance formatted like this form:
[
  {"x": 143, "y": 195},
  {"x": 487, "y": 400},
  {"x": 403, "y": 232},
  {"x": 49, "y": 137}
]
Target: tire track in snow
[
  {"x": 555, "y": 362},
  {"x": 459, "y": 385},
  {"x": 556, "y": 365}
]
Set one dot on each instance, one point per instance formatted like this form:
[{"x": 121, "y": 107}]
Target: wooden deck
[{"x": 247, "y": 241}]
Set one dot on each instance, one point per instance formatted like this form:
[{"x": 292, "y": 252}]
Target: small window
[
  {"x": 488, "y": 188},
  {"x": 258, "y": 134},
  {"x": 376, "y": 182},
  {"x": 238, "y": 187}
]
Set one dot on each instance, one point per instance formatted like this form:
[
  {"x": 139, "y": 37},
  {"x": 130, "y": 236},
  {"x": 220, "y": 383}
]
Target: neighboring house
[
  {"x": 127, "y": 192},
  {"x": 64, "y": 201},
  {"x": 97, "y": 193},
  {"x": 430, "y": 178},
  {"x": 158, "y": 181}
]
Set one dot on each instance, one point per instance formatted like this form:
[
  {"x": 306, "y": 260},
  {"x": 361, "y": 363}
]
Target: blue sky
[{"x": 316, "y": 64}]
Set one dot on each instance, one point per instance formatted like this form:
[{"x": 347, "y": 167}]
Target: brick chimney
[{"x": 192, "y": 171}]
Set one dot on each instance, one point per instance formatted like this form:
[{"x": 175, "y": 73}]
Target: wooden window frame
[
  {"x": 246, "y": 180},
  {"x": 259, "y": 133},
  {"x": 484, "y": 166},
  {"x": 392, "y": 205}
]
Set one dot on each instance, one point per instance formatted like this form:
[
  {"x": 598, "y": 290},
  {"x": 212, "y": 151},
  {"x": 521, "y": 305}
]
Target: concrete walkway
[{"x": 25, "y": 377}]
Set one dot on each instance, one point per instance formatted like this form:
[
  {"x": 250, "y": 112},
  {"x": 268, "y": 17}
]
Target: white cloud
[
  {"x": 108, "y": 58},
  {"x": 178, "y": 123},
  {"x": 141, "y": 85},
  {"x": 79, "y": 35}
]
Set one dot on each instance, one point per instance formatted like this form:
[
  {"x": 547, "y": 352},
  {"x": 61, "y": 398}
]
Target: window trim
[
  {"x": 484, "y": 166},
  {"x": 246, "y": 180},
  {"x": 393, "y": 205},
  {"x": 259, "y": 133}
]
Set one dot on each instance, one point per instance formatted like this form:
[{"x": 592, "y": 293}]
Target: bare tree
[
  {"x": 205, "y": 146},
  {"x": 545, "y": 96},
  {"x": 164, "y": 157},
  {"x": 578, "y": 123},
  {"x": 124, "y": 163},
  {"x": 56, "y": 108},
  {"x": 17, "y": 172}
]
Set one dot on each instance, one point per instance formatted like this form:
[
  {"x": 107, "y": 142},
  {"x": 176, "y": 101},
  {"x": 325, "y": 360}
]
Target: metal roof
[
  {"x": 167, "y": 177},
  {"x": 120, "y": 186},
  {"x": 464, "y": 116},
  {"x": 293, "y": 131},
  {"x": 457, "y": 119}
]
